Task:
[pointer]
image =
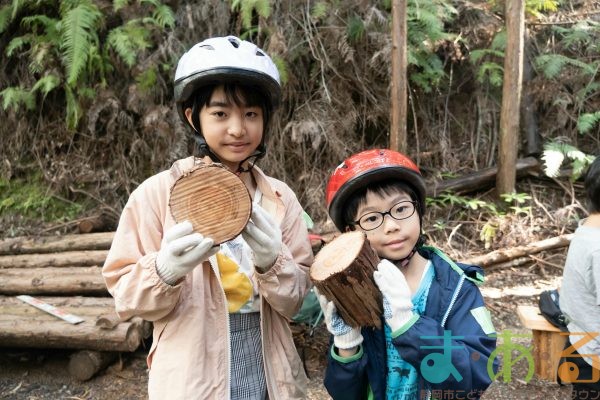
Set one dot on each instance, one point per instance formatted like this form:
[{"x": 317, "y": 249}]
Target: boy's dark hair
[
  {"x": 236, "y": 93},
  {"x": 381, "y": 188},
  {"x": 592, "y": 186}
]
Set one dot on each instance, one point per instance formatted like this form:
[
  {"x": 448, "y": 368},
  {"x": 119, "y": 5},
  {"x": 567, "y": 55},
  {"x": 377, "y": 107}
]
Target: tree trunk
[
  {"x": 499, "y": 256},
  {"x": 343, "y": 272},
  {"x": 53, "y": 280},
  {"x": 84, "y": 364},
  {"x": 511, "y": 97},
  {"x": 63, "y": 259},
  {"x": 22, "y": 325},
  {"x": 399, "y": 98},
  {"x": 55, "y": 244},
  {"x": 530, "y": 126},
  {"x": 92, "y": 224}
]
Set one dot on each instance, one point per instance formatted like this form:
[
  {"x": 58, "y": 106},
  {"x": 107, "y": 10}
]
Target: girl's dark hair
[
  {"x": 237, "y": 93},
  {"x": 592, "y": 186},
  {"x": 381, "y": 188}
]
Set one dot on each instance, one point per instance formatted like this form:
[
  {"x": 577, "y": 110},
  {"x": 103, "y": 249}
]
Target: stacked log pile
[{"x": 64, "y": 272}]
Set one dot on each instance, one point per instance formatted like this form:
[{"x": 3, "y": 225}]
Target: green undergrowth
[{"x": 33, "y": 199}]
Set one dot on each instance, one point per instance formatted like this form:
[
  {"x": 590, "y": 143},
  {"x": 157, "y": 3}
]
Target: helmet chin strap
[{"x": 403, "y": 262}]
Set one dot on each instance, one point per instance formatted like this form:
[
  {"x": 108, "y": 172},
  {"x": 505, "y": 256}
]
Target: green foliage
[
  {"x": 556, "y": 153},
  {"x": 552, "y": 65},
  {"x": 71, "y": 47},
  {"x": 30, "y": 198},
  {"x": 319, "y": 10},
  {"x": 538, "y": 7},
  {"x": 355, "y": 29},
  {"x": 147, "y": 79},
  {"x": 490, "y": 61},
  {"x": 587, "y": 121},
  {"x": 518, "y": 199},
  {"x": 282, "y": 68},
  {"x": 488, "y": 233},
  {"x": 247, "y": 8}
]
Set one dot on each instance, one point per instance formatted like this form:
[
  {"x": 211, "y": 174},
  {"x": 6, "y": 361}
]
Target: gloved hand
[
  {"x": 344, "y": 336},
  {"x": 181, "y": 251},
  {"x": 397, "y": 303},
  {"x": 264, "y": 238}
]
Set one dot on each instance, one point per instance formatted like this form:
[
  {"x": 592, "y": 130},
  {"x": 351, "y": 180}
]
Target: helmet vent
[
  {"x": 207, "y": 46},
  {"x": 234, "y": 43},
  {"x": 260, "y": 53}
]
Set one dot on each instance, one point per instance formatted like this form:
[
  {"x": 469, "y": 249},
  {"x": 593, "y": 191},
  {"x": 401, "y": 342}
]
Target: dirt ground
[{"x": 27, "y": 374}]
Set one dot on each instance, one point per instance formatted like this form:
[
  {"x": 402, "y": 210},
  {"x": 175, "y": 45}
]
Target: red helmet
[{"x": 368, "y": 167}]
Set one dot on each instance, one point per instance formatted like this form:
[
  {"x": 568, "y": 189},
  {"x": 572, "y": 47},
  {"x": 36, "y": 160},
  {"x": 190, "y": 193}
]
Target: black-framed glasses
[{"x": 399, "y": 211}]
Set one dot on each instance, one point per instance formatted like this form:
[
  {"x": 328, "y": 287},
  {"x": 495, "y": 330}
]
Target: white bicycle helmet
[{"x": 225, "y": 59}]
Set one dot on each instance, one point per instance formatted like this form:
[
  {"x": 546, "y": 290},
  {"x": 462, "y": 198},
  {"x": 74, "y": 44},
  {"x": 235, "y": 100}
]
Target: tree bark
[
  {"x": 53, "y": 280},
  {"x": 511, "y": 97},
  {"x": 343, "y": 272},
  {"x": 55, "y": 244},
  {"x": 84, "y": 364},
  {"x": 92, "y": 224},
  {"x": 22, "y": 325},
  {"x": 46, "y": 260},
  {"x": 500, "y": 256}
]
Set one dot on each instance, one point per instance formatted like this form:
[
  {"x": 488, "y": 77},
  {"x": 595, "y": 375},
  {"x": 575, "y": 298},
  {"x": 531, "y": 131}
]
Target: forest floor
[{"x": 27, "y": 374}]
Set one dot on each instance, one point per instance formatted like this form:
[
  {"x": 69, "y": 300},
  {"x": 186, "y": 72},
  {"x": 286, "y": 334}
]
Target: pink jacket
[{"x": 189, "y": 357}]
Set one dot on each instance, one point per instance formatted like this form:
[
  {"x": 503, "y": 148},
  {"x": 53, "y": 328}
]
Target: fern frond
[
  {"x": 73, "y": 109},
  {"x": 78, "y": 31},
  {"x": 499, "y": 41},
  {"x": 319, "y": 10},
  {"x": 15, "y": 97},
  {"x": 491, "y": 72},
  {"x": 5, "y": 17},
  {"x": 47, "y": 84},
  {"x": 476, "y": 55},
  {"x": 553, "y": 157},
  {"x": 263, "y": 8},
  {"x": 128, "y": 40},
  {"x": 587, "y": 121},
  {"x": 118, "y": 4},
  {"x": 49, "y": 25},
  {"x": 18, "y": 43},
  {"x": 355, "y": 29},
  {"x": 164, "y": 16},
  {"x": 282, "y": 68},
  {"x": 551, "y": 64}
]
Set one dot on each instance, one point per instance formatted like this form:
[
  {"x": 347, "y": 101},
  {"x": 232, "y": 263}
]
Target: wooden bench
[{"x": 548, "y": 342}]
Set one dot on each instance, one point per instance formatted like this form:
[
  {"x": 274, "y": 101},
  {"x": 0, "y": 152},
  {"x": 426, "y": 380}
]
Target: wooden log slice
[
  {"x": 343, "y": 272},
  {"x": 214, "y": 200}
]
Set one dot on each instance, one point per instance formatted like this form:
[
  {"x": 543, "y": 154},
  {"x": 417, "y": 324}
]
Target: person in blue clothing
[{"x": 437, "y": 334}]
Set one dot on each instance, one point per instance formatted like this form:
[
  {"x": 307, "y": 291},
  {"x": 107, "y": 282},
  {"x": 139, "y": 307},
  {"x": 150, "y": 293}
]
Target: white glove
[
  {"x": 181, "y": 251},
  {"x": 397, "y": 303},
  {"x": 264, "y": 238},
  {"x": 344, "y": 336}
]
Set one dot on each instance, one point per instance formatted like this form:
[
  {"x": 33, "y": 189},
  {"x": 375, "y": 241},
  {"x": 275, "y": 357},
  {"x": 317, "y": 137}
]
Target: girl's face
[
  {"x": 233, "y": 132},
  {"x": 393, "y": 239}
]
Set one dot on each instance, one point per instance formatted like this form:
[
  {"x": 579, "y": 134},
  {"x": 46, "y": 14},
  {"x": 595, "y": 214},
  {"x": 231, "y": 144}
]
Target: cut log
[
  {"x": 499, "y": 256},
  {"x": 53, "y": 280},
  {"x": 84, "y": 364},
  {"x": 343, "y": 272},
  {"x": 214, "y": 200},
  {"x": 22, "y": 325},
  {"x": 92, "y": 224},
  {"x": 55, "y": 244},
  {"x": 63, "y": 259},
  {"x": 479, "y": 180}
]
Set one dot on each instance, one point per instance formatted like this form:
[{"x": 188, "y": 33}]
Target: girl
[
  {"x": 207, "y": 343},
  {"x": 435, "y": 339}
]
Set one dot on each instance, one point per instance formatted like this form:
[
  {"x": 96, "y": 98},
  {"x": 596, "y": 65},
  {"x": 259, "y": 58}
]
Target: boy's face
[
  {"x": 232, "y": 132},
  {"x": 393, "y": 239}
]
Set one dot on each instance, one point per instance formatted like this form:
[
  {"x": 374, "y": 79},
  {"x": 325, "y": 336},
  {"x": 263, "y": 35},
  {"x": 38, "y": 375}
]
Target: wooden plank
[{"x": 531, "y": 318}]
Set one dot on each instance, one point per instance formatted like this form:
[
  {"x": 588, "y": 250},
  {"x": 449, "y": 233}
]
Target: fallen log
[
  {"x": 499, "y": 256},
  {"x": 84, "y": 364},
  {"x": 56, "y": 244},
  {"x": 480, "y": 179},
  {"x": 63, "y": 259},
  {"x": 53, "y": 280},
  {"x": 92, "y": 224},
  {"x": 22, "y": 325}
]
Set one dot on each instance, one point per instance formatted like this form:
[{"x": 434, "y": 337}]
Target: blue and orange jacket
[{"x": 454, "y": 305}]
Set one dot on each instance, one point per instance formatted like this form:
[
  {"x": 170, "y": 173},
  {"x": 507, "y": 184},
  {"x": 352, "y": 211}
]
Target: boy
[{"x": 436, "y": 336}]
